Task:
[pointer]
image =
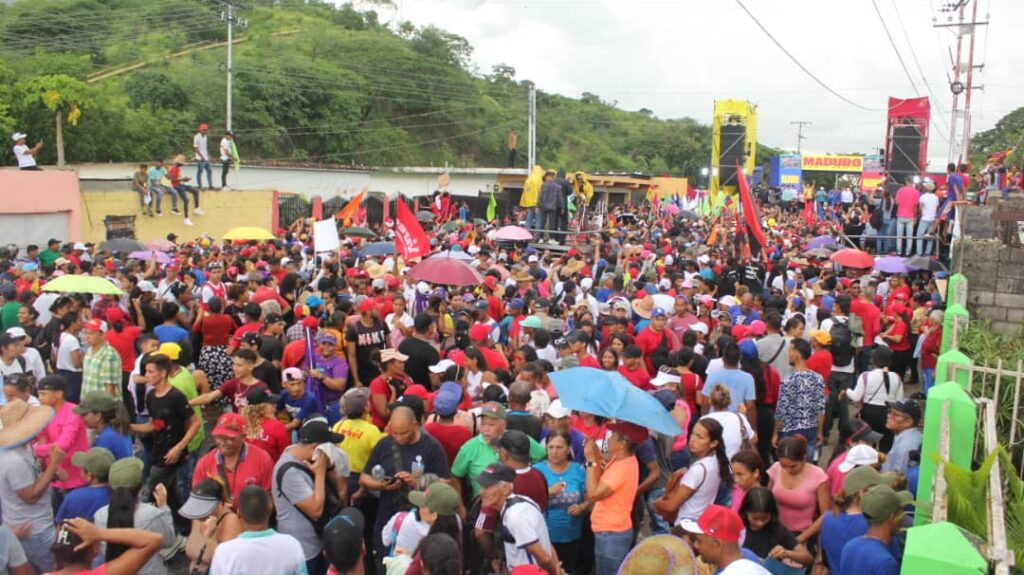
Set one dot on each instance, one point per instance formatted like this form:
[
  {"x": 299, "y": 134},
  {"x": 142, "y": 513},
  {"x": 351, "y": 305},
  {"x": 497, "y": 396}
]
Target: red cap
[
  {"x": 310, "y": 322},
  {"x": 367, "y": 305},
  {"x": 94, "y": 325},
  {"x": 490, "y": 281},
  {"x": 845, "y": 281},
  {"x": 479, "y": 332},
  {"x": 392, "y": 282},
  {"x": 203, "y": 127},
  {"x": 718, "y": 522},
  {"x": 739, "y": 332},
  {"x": 572, "y": 252},
  {"x": 115, "y": 314},
  {"x": 634, "y": 432},
  {"x": 351, "y": 272},
  {"x": 230, "y": 425}
]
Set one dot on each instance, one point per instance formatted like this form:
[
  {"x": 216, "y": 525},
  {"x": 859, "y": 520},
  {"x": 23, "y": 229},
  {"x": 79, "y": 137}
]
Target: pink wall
[{"x": 43, "y": 192}]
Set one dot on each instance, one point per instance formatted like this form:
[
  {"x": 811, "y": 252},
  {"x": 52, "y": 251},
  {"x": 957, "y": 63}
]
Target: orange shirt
[{"x": 613, "y": 512}]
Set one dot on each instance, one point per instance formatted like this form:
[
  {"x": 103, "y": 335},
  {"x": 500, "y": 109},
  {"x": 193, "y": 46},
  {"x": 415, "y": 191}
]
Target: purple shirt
[
  {"x": 67, "y": 432},
  {"x": 333, "y": 367}
]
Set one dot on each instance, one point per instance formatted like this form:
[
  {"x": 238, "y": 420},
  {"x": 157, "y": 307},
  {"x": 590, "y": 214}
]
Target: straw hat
[
  {"x": 179, "y": 159},
  {"x": 375, "y": 270},
  {"x": 660, "y": 555},
  {"x": 643, "y": 307},
  {"x": 574, "y": 266},
  {"x": 522, "y": 276},
  {"x": 21, "y": 422}
]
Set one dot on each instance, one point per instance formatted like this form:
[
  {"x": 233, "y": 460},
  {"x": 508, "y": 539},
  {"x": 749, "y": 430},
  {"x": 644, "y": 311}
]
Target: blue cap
[
  {"x": 446, "y": 401},
  {"x": 748, "y": 348},
  {"x": 530, "y": 250},
  {"x": 797, "y": 301},
  {"x": 658, "y": 312},
  {"x": 827, "y": 301},
  {"x": 29, "y": 267},
  {"x": 517, "y": 303},
  {"x": 314, "y": 302}
]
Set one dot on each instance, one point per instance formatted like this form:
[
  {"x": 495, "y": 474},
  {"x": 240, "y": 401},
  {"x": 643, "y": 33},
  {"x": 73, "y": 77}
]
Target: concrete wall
[
  {"x": 223, "y": 211},
  {"x": 995, "y": 283},
  {"x": 48, "y": 192}
]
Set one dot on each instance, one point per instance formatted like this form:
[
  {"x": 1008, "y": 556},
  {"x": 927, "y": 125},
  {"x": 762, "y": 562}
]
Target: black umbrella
[
  {"x": 424, "y": 216},
  {"x": 123, "y": 245},
  {"x": 688, "y": 215},
  {"x": 926, "y": 263}
]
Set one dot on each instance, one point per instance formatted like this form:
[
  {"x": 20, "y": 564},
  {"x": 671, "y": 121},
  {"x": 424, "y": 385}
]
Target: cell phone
[{"x": 389, "y": 479}]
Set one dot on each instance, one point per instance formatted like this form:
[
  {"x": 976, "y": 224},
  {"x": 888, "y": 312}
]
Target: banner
[
  {"x": 409, "y": 237},
  {"x": 731, "y": 112},
  {"x": 871, "y": 176},
  {"x": 830, "y": 163},
  {"x": 325, "y": 236}
]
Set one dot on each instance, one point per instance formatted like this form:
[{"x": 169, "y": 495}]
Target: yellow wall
[{"x": 223, "y": 211}]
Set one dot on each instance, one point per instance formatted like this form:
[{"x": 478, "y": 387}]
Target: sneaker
[
  {"x": 198, "y": 212},
  {"x": 159, "y": 214},
  {"x": 188, "y": 222},
  {"x": 179, "y": 545},
  {"x": 175, "y": 212}
]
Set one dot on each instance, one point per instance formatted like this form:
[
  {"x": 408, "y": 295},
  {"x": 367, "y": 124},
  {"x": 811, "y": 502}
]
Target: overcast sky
[{"x": 676, "y": 57}]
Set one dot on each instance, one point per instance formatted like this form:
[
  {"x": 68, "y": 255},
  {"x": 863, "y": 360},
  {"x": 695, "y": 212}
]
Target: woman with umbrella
[{"x": 612, "y": 486}]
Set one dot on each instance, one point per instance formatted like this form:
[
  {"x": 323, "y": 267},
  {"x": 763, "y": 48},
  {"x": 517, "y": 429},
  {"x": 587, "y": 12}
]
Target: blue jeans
[
  {"x": 531, "y": 218},
  {"x": 904, "y": 232},
  {"x": 37, "y": 550},
  {"x": 610, "y": 549},
  {"x": 658, "y": 524},
  {"x": 156, "y": 192},
  {"x": 888, "y": 229},
  {"x": 929, "y": 378},
  {"x": 200, "y": 166},
  {"x": 811, "y": 435},
  {"x": 924, "y": 247}
]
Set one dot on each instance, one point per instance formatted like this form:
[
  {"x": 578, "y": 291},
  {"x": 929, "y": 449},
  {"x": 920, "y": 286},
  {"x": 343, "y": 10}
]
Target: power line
[
  {"x": 801, "y": 66},
  {"x": 917, "y": 63},
  {"x": 894, "y": 48}
]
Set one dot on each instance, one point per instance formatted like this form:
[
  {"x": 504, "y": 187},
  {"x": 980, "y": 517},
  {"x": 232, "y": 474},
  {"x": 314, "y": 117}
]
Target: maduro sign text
[{"x": 826, "y": 163}]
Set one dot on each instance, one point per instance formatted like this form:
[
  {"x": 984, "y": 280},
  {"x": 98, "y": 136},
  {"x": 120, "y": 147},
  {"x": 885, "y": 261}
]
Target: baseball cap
[
  {"x": 96, "y": 401},
  {"x": 125, "y": 472},
  {"x": 757, "y": 328},
  {"x": 171, "y": 350},
  {"x": 557, "y": 410},
  {"x": 292, "y": 374},
  {"x": 439, "y": 497},
  {"x": 447, "y": 398},
  {"x": 858, "y": 430},
  {"x": 748, "y": 348},
  {"x": 252, "y": 338},
  {"x": 325, "y": 337},
  {"x": 479, "y": 332},
  {"x": 857, "y": 456},
  {"x": 147, "y": 286},
  {"x": 259, "y": 394},
  {"x": 441, "y": 366},
  {"x": 17, "y": 332},
  {"x": 367, "y": 305},
  {"x": 821, "y": 336},
  {"x": 632, "y": 351},
  {"x": 96, "y": 461},
  {"x": 881, "y": 502},
  {"x": 908, "y": 407},
  {"x": 95, "y": 325},
  {"x": 635, "y": 433},
  {"x": 343, "y": 539},
  {"x": 391, "y": 354},
  {"x": 413, "y": 402},
  {"x": 717, "y": 521},
  {"x": 202, "y": 500},
  {"x": 517, "y": 303},
  {"x": 513, "y": 441},
  {"x": 493, "y": 409},
  {"x": 664, "y": 378},
  {"x": 700, "y": 327},
  {"x": 531, "y": 322},
  {"x": 316, "y": 431},
  {"x": 860, "y": 478},
  {"x": 495, "y": 473},
  {"x": 355, "y": 400},
  {"x": 658, "y": 312},
  {"x": 229, "y": 425},
  {"x": 52, "y": 382}
]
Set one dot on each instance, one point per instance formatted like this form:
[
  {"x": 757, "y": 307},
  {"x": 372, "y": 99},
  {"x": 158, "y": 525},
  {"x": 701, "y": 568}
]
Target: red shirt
[
  {"x": 638, "y": 377},
  {"x": 690, "y": 384},
  {"x": 821, "y": 362},
  {"x": 380, "y": 387},
  {"x": 930, "y": 348},
  {"x": 273, "y": 438},
  {"x": 648, "y": 341},
  {"x": 900, "y": 328},
  {"x": 216, "y": 329},
  {"x": 870, "y": 316},
  {"x": 268, "y": 293},
  {"x": 590, "y": 361},
  {"x": 254, "y": 467},
  {"x": 246, "y": 328},
  {"x": 294, "y": 354},
  {"x": 124, "y": 343},
  {"x": 451, "y": 437},
  {"x": 234, "y": 391}
]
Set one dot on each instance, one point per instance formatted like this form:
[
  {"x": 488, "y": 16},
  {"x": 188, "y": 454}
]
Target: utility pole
[
  {"x": 956, "y": 86},
  {"x": 228, "y": 15},
  {"x": 531, "y": 134},
  {"x": 800, "y": 133}
]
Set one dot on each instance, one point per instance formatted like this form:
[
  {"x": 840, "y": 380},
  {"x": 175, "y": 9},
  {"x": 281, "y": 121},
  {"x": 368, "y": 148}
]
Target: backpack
[
  {"x": 332, "y": 503},
  {"x": 660, "y": 355},
  {"x": 842, "y": 342},
  {"x": 876, "y": 218}
]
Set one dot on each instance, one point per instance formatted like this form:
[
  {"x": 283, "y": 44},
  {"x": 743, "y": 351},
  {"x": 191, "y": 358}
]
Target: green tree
[
  {"x": 62, "y": 95},
  {"x": 154, "y": 90}
]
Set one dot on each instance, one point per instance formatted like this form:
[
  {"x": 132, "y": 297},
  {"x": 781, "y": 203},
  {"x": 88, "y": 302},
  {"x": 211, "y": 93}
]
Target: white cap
[
  {"x": 378, "y": 283},
  {"x": 285, "y": 261},
  {"x": 669, "y": 260},
  {"x": 147, "y": 286},
  {"x": 532, "y": 260},
  {"x": 859, "y": 455},
  {"x": 441, "y": 366},
  {"x": 664, "y": 283},
  {"x": 587, "y": 283},
  {"x": 17, "y": 332},
  {"x": 79, "y": 246},
  {"x": 727, "y": 301},
  {"x": 557, "y": 410},
  {"x": 473, "y": 249},
  {"x": 664, "y": 378},
  {"x": 423, "y": 288},
  {"x": 700, "y": 327},
  {"x": 18, "y": 135},
  {"x": 704, "y": 259}
]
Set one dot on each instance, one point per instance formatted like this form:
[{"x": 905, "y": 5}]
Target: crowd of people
[{"x": 260, "y": 408}]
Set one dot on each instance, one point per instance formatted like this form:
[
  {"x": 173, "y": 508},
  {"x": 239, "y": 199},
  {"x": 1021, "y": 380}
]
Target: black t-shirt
[
  {"x": 763, "y": 541},
  {"x": 700, "y": 366},
  {"x": 367, "y": 339},
  {"x": 527, "y": 423},
  {"x": 386, "y": 453},
  {"x": 727, "y": 283},
  {"x": 271, "y": 349},
  {"x": 753, "y": 277},
  {"x": 422, "y": 355},
  {"x": 170, "y": 415},
  {"x": 268, "y": 374}
]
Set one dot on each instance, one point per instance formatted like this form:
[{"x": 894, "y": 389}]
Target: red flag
[
  {"x": 751, "y": 217},
  {"x": 808, "y": 213},
  {"x": 350, "y": 208},
  {"x": 387, "y": 209},
  {"x": 409, "y": 237}
]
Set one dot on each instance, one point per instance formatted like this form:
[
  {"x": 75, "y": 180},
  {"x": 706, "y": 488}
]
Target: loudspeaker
[
  {"x": 904, "y": 153},
  {"x": 732, "y": 144}
]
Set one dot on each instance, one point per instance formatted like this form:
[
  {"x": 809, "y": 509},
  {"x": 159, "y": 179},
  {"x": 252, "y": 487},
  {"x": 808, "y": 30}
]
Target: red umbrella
[
  {"x": 513, "y": 233},
  {"x": 851, "y": 258},
  {"x": 446, "y": 271}
]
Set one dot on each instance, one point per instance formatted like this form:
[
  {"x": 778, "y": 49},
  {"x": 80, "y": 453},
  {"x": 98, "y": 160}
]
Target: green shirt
[
  {"x": 476, "y": 454},
  {"x": 9, "y": 314},
  {"x": 47, "y": 257},
  {"x": 184, "y": 383}
]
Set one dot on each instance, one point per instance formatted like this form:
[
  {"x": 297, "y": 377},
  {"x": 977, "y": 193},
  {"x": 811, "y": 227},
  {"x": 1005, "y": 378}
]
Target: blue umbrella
[
  {"x": 608, "y": 394},
  {"x": 378, "y": 249}
]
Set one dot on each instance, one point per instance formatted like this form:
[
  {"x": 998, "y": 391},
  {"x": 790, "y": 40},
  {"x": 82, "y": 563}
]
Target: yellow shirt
[{"x": 360, "y": 437}]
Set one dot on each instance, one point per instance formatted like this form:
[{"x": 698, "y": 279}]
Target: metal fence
[
  {"x": 1001, "y": 385},
  {"x": 291, "y": 207}
]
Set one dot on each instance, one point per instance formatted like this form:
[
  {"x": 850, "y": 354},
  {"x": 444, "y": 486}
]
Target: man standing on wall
[{"x": 202, "y": 157}]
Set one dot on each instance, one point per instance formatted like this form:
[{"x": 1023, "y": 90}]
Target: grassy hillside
[{"x": 313, "y": 84}]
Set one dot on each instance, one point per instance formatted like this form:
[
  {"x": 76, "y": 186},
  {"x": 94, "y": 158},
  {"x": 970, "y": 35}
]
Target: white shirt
[
  {"x": 199, "y": 143},
  {"x": 704, "y": 479},
  {"x": 744, "y": 567},
  {"x": 846, "y": 197},
  {"x": 259, "y": 552},
  {"x": 225, "y": 149},
  {"x": 929, "y": 206},
  {"x": 731, "y": 434},
  {"x": 68, "y": 344},
  {"x": 25, "y": 160},
  {"x": 526, "y": 525},
  {"x": 870, "y": 388}
]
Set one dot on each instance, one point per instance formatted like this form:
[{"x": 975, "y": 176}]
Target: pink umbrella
[
  {"x": 852, "y": 258},
  {"x": 501, "y": 270},
  {"x": 160, "y": 245},
  {"x": 513, "y": 234},
  {"x": 446, "y": 271},
  {"x": 671, "y": 209}
]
